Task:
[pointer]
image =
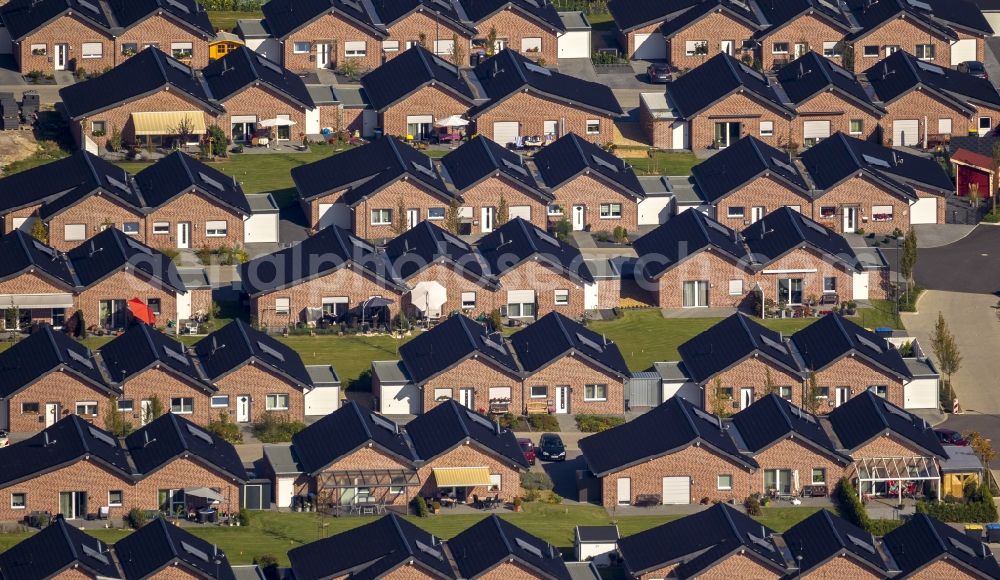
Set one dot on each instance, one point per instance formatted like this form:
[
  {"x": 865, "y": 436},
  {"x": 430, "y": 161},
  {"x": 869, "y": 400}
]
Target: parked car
[
  {"x": 974, "y": 68},
  {"x": 551, "y": 448},
  {"x": 528, "y": 448},
  {"x": 951, "y": 437},
  {"x": 660, "y": 72}
]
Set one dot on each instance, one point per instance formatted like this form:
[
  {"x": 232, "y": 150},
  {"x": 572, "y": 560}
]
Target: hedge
[
  {"x": 979, "y": 509},
  {"x": 854, "y": 511}
]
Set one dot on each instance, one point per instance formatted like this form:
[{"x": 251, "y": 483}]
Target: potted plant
[
  {"x": 518, "y": 504},
  {"x": 435, "y": 507}
]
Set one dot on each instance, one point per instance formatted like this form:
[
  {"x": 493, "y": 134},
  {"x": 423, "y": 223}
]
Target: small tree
[
  {"x": 769, "y": 386},
  {"x": 720, "y": 402},
  {"x": 453, "y": 221},
  {"x": 217, "y": 141},
  {"x": 945, "y": 351},
  {"x": 503, "y": 212},
  {"x": 491, "y": 42},
  {"x": 184, "y": 130},
  {"x": 457, "y": 54},
  {"x": 115, "y": 141},
  {"x": 154, "y": 410},
  {"x": 39, "y": 232},
  {"x": 812, "y": 396},
  {"x": 982, "y": 446},
  {"x": 847, "y": 58},
  {"x": 114, "y": 421},
  {"x": 399, "y": 224},
  {"x": 908, "y": 257},
  {"x": 996, "y": 165}
]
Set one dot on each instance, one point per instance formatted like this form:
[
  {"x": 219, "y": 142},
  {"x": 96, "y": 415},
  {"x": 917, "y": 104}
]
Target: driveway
[{"x": 970, "y": 265}]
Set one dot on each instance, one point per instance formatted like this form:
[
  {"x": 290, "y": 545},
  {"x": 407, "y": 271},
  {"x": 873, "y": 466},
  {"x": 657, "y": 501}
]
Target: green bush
[
  {"x": 883, "y": 527},
  {"x": 273, "y": 428},
  {"x": 563, "y": 229},
  {"x": 534, "y": 480},
  {"x": 268, "y": 564},
  {"x": 244, "y": 517},
  {"x": 977, "y": 507},
  {"x": 992, "y": 218},
  {"x": 420, "y": 506},
  {"x": 136, "y": 518},
  {"x": 226, "y": 429},
  {"x": 543, "y": 423},
  {"x": 752, "y": 505},
  {"x": 598, "y": 423},
  {"x": 850, "y": 506}
]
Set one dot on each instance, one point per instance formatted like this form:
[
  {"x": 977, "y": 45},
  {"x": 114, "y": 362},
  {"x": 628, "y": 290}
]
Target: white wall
[
  {"x": 323, "y": 400},
  {"x": 574, "y": 44},
  {"x": 687, "y": 390},
  {"x": 284, "y": 489},
  {"x": 261, "y": 227},
  {"x": 269, "y": 47},
  {"x": 399, "y": 399},
  {"x": 655, "y": 210},
  {"x": 921, "y": 394},
  {"x": 599, "y": 553}
]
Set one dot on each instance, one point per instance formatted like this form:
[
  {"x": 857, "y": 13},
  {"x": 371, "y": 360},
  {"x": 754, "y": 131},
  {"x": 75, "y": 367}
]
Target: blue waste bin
[{"x": 993, "y": 533}]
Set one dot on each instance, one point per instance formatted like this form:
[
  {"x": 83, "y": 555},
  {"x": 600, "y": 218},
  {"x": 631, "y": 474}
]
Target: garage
[
  {"x": 679, "y": 135},
  {"x": 334, "y": 214},
  {"x": 396, "y": 394},
  {"x": 650, "y": 46},
  {"x": 505, "y": 132},
  {"x": 324, "y": 398},
  {"x": 261, "y": 226},
  {"x": 575, "y": 42},
  {"x": 905, "y": 132},
  {"x": 814, "y": 131},
  {"x": 963, "y": 50},
  {"x": 924, "y": 211},
  {"x": 676, "y": 490},
  {"x": 921, "y": 393}
]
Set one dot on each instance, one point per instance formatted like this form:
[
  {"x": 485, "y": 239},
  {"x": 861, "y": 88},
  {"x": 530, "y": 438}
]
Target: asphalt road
[
  {"x": 971, "y": 265},
  {"x": 986, "y": 424}
]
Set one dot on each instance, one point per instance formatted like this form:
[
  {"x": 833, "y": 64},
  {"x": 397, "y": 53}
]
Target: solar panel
[
  {"x": 481, "y": 420},
  {"x": 118, "y": 183},
  {"x": 547, "y": 238},
  {"x": 817, "y": 227},
  {"x": 270, "y": 65},
  {"x": 537, "y": 69},
  {"x": 515, "y": 167},
  {"x": 268, "y": 350},
  {"x": 385, "y": 423},
  {"x": 802, "y": 414},
  {"x": 783, "y": 165},
  {"x": 842, "y": 72},
  {"x": 868, "y": 343},
  {"x": 866, "y": 546},
  {"x": 89, "y": 6},
  {"x": 605, "y": 163},
  {"x": 353, "y": 4},
  {"x": 875, "y": 161},
  {"x": 211, "y": 182},
  {"x": 962, "y": 547},
  {"x": 532, "y": 3},
  {"x": 177, "y": 356},
  {"x": 200, "y": 554},
  {"x": 201, "y": 434},
  {"x": 761, "y": 542},
  {"x": 43, "y": 248},
  {"x": 79, "y": 358},
  {"x": 424, "y": 170},
  {"x": 361, "y": 244},
  {"x": 705, "y": 416},
  {"x": 432, "y": 552},
  {"x": 590, "y": 343},
  {"x": 931, "y": 68},
  {"x": 920, "y": 5},
  {"x": 829, "y": 6},
  {"x": 95, "y": 554},
  {"x": 179, "y": 6},
  {"x": 530, "y": 548},
  {"x": 773, "y": 343},
  {"x": 102, "y": 436},
  {"x": 179, "y": 66},
  {"x": 139, "y": 247},
  {"x": 897, "y": 411}
]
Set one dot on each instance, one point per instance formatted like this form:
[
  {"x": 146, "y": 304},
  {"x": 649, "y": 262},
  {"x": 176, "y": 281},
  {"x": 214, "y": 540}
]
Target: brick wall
[
  {"x": 335, "y": 30},
  {"x": 942, "y": 569},
  {"x": 812, "y": 283},
  {"x": 511, "y": 25},
  {"x": 701, "y": 464},
  {"x": 429, "y": 100},
  {"x": 928, "y": 111},
  {"x": 740, "y": 566},
  {"x": 95, "y": 212},
  {"x": 265, "y": 104},
  {"x": 659, "y": 573},
  {"x": 531, "y": 111},
  {"x": 424, "y": 22},
  {"x": 408, "y": 572},
  {"x": 30, "y": 283},
  {"x": 591, "y": 193},
  {"x": 713, "y": 28},
  {"x": 941, "y": 203},
  {"x": 739, "y": 108},
  {"x": 906, "y": 34},
  {"x": 858, "y": 374},
  {"x": 864, "y": 194},
  {"x": 124, "y": 286},
  {"x": 65, "y": 30},
  {"x": 258, "y": 382},
  {"x": 658, "y": 131},
  {"x": 807, "y": 28},
  {"x": 84, "y": 475},
  {"x": 609, "y": 292},
  {"x": 164, "y": 31},
  {"x": 890, "y": 445},
  {"x": 708, "y": 265},
  {"x": 577, "y": 372},
  {"x": 364, "y": 459},
  {"x": 838, "y": 110},
  {"x": 343, "y": 282},
  {"x": 842, "y": 567},
  {"x": 769, "y": 192},
  {"x": 476, "y": 374},
  {"x": 471, "y": 456},
  {"x": 751, "y": 372},
  {"x": 454, "y": 283},
  {"x": 197, "y": 209},
  {"x": 178, "y": 474},
  {"x": 487, "y": 194},
  {"x": 627, "y": 39},
  {"x": 544, "y": 280},
  {"x": 415, "y": 196},
  {"x": 166, "y": 385},
  {"x": 510, "y": 570},
  {"x": 65, "y": 388},
  {"x": 794, "y": 455},
  {"x": 8, "y": 218}
]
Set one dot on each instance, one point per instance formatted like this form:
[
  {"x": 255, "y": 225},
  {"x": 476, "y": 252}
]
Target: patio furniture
[
  {"x": 104, "y": 512},
  {"x": 647, "y": 500},
  {"x": 263, "y": 141},
  {"x": 533, "y": 141},
  {"x": 815, "y": 491},
  {"x": 829, "y": 299}
]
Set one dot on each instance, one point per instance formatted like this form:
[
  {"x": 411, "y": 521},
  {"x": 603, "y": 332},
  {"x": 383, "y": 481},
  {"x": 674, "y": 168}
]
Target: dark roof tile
[
  {"x": 731, "y": 341},
  {"x": 518, "y": 240},
  {"x": 412, "y": 70},
  {"x": 450, "y": 424},
  {"x": 553, "y": 336}
]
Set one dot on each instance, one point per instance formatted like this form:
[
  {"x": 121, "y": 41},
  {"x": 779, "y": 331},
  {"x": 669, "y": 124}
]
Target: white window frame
[
  {"x": 883, "y": 209},
  {"x": 444, "y": 47},
  {"x": 593, "y": 126},
  {"x": 827, "y": 279},
  {"x": 496, "y": 482},
  {"x": 161, "y": 228},
  {"x": 944, "y": 126},
  {"x": 766, "y": 128},
  {"x": 135, "y": 228},
  {"x": 213, "y": 404},
  {"x": 531, "y": 44},
  {"x": 554, "y": 209},
  {"x": 86, "y": 405},
  {"x": 468, "y": 300},
  {"x": 832, "y": 49},
  {"x": 922, "y": 48},
  {"x": 722, "y": 487},
  {"x": 989, "y": 123},
  {"x": 827, "y": 217},
  {"x": 24, "y": 500},
  {"x": 445, "y": 392},
  {"x": 390, "y": 46},
  {"x": 691, "y": 47},
  {"x": 42, "y": 47},
  {"x": 355, "y": 48},
  {"x": 736, "y": 287},
  {"x": 276, "y": 405},
  {"x": 118, "y": 503},
  {"x": 99, "y": 126},
  {"x": 610, "y": 211},
  {"x": 861, "y": 124},
  {"x": 126, "y": 405},
  {"x": 432, "y": 210},
  {"x": 560, "y": 297},
  {"x": 297, "y": 47},
  {"x": 181, "y": 47},
  {"x": 732, "y": 213},
  {"x": 812, "y": 476},
  {"x": 189, "y": 410},
  {"x": 594, "y": 395},
  {"x": 216, "y": 229},
  {"x": 384, "y": 217},
  {"x": 776, "y": 50},
  {"x": 875, "y": 53},
  {"x": 544, "y": 395},
  {"x": 74, "y": 237},
  {"x": 282, "y": 305},
  {"x": 91, "y": 50}
]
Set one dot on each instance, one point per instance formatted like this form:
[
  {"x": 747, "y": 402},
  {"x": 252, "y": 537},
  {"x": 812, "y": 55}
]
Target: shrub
[
  {"x": 268, "y": 564},
  {"x": 244, "y": 517},
  {"x": 273, "y": 428},
  {"x": 420, "y": 506},
  {"x": 621, "y": 235},
  {"x": 976, "y": 506},
  {"x": 532, "y": 495},
  {"x": 883, "y": 527},
  {"x": 598, "y": 423},
  {"x": 563, "y": 229},
  {"x": 135, "y": 518},
  {"x": 850, "y": 506},
  {"x": 543, "y": 423},
  {"x": 534, "y": 480},
  {"x": 555, "y": 498},
  {"x": 752, "y": 505},
  {"x": 226, "y": 429}
]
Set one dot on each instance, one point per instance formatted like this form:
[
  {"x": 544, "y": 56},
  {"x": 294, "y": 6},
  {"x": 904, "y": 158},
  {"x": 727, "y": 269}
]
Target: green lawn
[
  {"x": 226, "y": 19},
  {"x": 664, "y": 163},
  {"x": 276, "y": 533}
]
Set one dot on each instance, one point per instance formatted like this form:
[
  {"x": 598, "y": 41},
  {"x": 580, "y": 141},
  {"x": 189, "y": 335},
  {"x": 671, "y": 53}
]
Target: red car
[
  {"x": 528, "y": 448},
  {"x": 950, "y": 437}
]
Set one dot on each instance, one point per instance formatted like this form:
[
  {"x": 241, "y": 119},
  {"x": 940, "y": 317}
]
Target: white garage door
[
  {"x": 905, "y": 132},
  {"x": 505, "y": 132},
  {"x": 650, "y": 46},
  {"x": 520, "y": 211},
  {"x": 815, "y": 130},
  {"x": 575, "y": 44},
  {"x": 399, "y": 399},
  {"x": 921, "y": 394},
  {"x": 679, "y": 135},
  {"x": 261, "y": 227},
  {"x": 963, "y": 50},
  {"x": 322, "y": 400},
  {"x": 334, "y": 214},
  {"x": 924, "y": 211},
  {"x": 676, "y": 490}
]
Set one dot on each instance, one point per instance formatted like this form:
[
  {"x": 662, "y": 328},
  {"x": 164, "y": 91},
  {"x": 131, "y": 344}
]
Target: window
[
  {"x": 595, "y": 392},
  {"x": 871, "y": 51},
  {"x": 857, "y": 126},
  {"x": 695, "y": 47},
  {"x": 72, "y": 232},
  {"x": 823, "y": 393},
  {"x": 93, "y": 50},
  {"x": 832, "y": 49},
  {"x": 891, "y": 49},
  {"x": 880, "y": 390},
  {"x": 555, "y": 210},
  {"x": 381, "y": 217},
  {"x": 724, "y": 482},
  {"x": 985, "y": 123},
  {"x": 58, "y": 316},
  {"x": 562, "y": 297},
  {"x": 785, "y": 392},
  {"x": 819, "y": 475},
  {"x": 98, "y": 128},
  {"x": 829, "y": 284},
  {"x": 790, "y": 290},
  {"x": 355, "y": 48},
  {"x": 301, "y": 47},
  {"x": 827, "y": 212},
  {"x": 86, "y": 408},
  {"x": 766, "y": 128},
  {"x": 39, "y": 50},
  {"x": 444, "y": 47},
  {"x": 126, "y": 405},
  {"x": 531, "y": 44},
  {"x": 442, "y": 394},
  {"x": 129, "y": 48},
  {"x": 282, "y": 305},
  {"x": 611, "y": 210},
  {"x": 30, "y": 408},
  {"x": 435, "y": 213},
  {"x": 276, "y": 402},
  {"x": 779, "y": 48},
  {"x": 944, "y": 126},
  {"x": 736, "y": 287},
  {"x": 181, "y": 50},
  {"x": 154, "y": 305},
  {"x": 539, "y": 391},
  {"x": 182, "y": 405},
  {"x": 390, "y": 46},
  {"x": 216, "y": 229},
  {"x": 925, "y": 51},
  {"x": 131, "y": 228},
  {"x": 335, "y": 305},
  {"x": 495, "y": 481},
  {"x": 161, "y": 228},
  {"x": 520, "y": 303},
  {"x": 593, "y": 126},
  {"x": 736, "y": 211},
  {"x": 18, "y": 501},
  {"x": 882, "y": 213},
  {"x": 116, "y": 498},
  {"x": 219, "y": 401},
  {"x": 468, "y": 300}
]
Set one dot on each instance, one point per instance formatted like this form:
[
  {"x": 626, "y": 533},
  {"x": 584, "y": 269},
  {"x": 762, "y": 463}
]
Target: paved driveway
[{"x": 970, "y": 265}]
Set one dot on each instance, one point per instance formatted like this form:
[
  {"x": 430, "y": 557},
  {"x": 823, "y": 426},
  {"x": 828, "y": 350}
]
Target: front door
[
  {"x": 144, "y": 407},
  {"x": 183, "y": 235},
  {"x": 726, "y": 46},
  {"x": 562, "y": 399},
  {"x": 322, "y": 55},
  {"x": 466, "y": 397},
  {"x": 412, "y": 218},
  {"x": 578, "y": 218},
  {"x": 695, "y": 294},
  {"x": 73, "y": 504},
  {"x": 746, "y": 397},
  {"x": 51, "y": 413},
  {"x": 756, "y": 213},
  {"x": 850, "y": 220},
  {"x": 487, "y": 221},
  {"x": 801, "y": 49},
  {"x": 727, "y": 133},
  {"x": 243, "y": 409},
  {"x": 62, "y": 56},
  {"x": 841, "y": 394}
]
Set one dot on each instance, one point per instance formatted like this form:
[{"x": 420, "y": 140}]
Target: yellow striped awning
[
  {"x": 166, "y": 122},
  {"x": 461, "y": 476}
]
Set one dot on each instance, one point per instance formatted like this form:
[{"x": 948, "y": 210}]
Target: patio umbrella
[
  {"x": 276, "y": 123},
  {"x": 452, "y": 121},
  {"x": 142, "y": 312},
  {"x": 205, "y": 493}
]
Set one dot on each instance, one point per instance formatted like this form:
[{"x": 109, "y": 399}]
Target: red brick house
[
  {"x": 797, "y": 26},
  {"x": 837, "y": 548},
  {"x": 57, "y": 35},
  {"x": 59, "y": 550}
]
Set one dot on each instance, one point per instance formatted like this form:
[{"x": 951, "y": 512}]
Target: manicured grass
[
  {"x": 226, "y": 19},
  {"x": 276, "y": 533},
  {"x": 664, "y": 163}
]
